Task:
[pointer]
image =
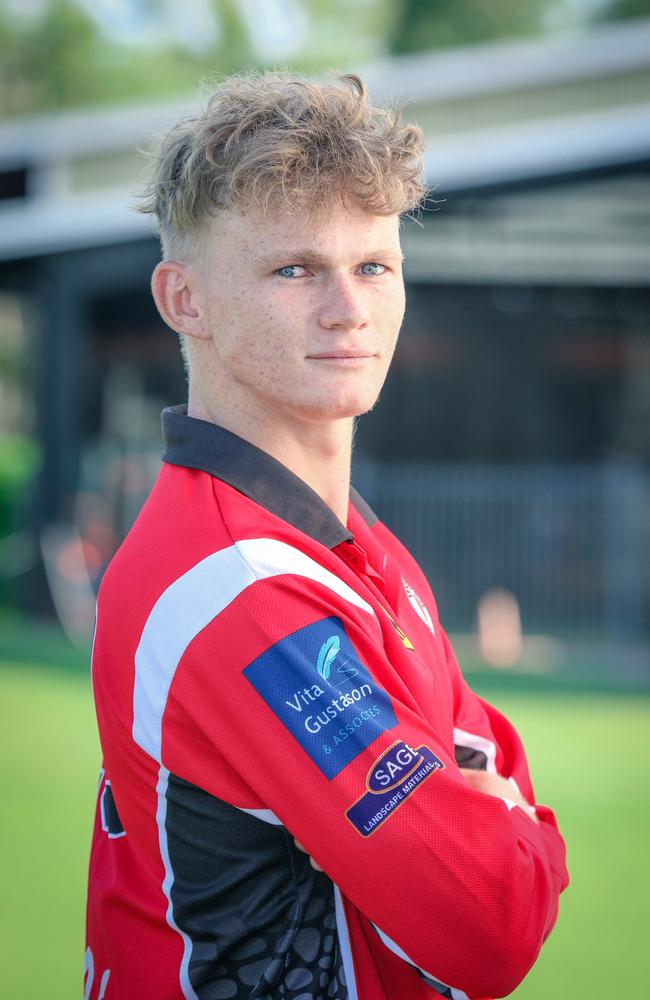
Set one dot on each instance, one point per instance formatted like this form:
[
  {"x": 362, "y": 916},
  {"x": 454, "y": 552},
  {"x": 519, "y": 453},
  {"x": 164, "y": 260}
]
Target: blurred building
[{"x": 512, "y": 445}]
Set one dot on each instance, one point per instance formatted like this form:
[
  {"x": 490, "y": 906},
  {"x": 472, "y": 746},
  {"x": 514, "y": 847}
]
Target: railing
[{"x": 572, "y": 543}]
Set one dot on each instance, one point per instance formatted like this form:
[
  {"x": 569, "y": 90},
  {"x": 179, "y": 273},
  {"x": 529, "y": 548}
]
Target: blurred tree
[
  {"x": 62, "y": 53},
  {"x": 345, "y": 33},
  {"x": 421, "y": 25},
  {"x": 19, "y": 449},
  {"x": 615, "y": 10},
  {"x": 60, "y": 58}
]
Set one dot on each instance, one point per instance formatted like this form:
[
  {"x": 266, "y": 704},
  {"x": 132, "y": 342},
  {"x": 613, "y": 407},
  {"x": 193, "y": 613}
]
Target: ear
[{"x": 176, "y": 291}]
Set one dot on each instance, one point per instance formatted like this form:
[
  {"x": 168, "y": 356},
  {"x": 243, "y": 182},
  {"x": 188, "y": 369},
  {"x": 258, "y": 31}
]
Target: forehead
[{"x": 334, "y": 231}]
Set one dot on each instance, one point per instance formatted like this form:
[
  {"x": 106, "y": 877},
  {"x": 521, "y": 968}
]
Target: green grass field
[{"x": 587, "y": 752}]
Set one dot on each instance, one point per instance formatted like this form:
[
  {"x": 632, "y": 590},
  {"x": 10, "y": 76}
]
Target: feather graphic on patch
[{"x": 327, "y": 655}]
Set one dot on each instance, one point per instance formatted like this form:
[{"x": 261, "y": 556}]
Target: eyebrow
[{"x": 309, "y": 256}]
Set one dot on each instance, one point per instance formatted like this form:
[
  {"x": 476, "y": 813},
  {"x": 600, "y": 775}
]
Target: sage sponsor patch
[{"x": 391, "y": 779}]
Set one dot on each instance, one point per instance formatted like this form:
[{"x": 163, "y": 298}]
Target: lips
[{"x": 342, "y": 354}]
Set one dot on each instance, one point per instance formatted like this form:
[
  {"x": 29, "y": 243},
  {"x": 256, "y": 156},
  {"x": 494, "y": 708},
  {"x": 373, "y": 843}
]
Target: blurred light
[
  {"x": 193, "y": 24},
  {"x": 499, "y": 629},
  {"x": 93, "y": 518},
  {"x": 565, "y": 15},
  {"x": 71, "y": 562},
  {"x": 276, "y": 28},
  {"x": 25, "y": 10},
  {"x": 93, "y": 558},
  {"x": 64, "y": 559}
]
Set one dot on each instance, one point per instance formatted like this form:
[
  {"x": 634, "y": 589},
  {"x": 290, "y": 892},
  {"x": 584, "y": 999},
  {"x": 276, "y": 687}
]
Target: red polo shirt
[{"x": 261, "y": 673}]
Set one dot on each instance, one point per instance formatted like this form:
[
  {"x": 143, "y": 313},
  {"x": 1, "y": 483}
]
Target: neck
[{"x": 317, "y": 452}]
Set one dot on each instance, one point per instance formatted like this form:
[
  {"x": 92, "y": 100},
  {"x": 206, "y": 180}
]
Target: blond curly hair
[{"x": 278, "y": 142}]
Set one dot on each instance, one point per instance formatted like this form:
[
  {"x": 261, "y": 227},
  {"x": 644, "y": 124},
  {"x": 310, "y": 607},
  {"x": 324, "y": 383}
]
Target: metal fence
[{"x": 572, "y": 543}]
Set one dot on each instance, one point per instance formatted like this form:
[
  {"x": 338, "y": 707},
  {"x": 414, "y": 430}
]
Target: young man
[{"x": 300, "y": 796}]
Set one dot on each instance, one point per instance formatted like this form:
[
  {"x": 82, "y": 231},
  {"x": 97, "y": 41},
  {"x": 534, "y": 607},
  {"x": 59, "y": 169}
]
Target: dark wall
[{"x": 515, "y": 374}]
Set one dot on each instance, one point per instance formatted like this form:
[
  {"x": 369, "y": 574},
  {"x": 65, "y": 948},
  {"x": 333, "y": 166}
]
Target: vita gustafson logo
[
  {"x": 311, "y": 697},
  {"x": 326, "y": 656}
]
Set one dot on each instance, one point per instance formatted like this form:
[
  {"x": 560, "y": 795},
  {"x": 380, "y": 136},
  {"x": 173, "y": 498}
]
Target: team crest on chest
[{"x": 416, "y": 603}]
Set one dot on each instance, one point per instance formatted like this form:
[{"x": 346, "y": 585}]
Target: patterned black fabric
[{"x": 260, "y": 920}]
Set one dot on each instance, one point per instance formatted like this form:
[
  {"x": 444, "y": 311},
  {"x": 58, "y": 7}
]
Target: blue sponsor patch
[
  {"x": 391, "y": 779},
  {"x": 320, "y": 690}
]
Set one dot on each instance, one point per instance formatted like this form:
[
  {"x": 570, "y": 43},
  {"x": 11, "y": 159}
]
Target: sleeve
[
  {"x": 288, "y": 683},
  {"x": 484, "y": 739}
]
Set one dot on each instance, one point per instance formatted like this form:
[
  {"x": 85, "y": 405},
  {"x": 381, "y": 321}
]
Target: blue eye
[
  {"x": 372, "y": 269},
  {"x": 290, "y": 271}
]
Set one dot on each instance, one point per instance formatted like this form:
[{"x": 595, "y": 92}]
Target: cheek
[
  {"x": 388, "y": 306},
  {"x": 390, "y": 322},
  {"x": 238, "y": 323},
  {"x": 400, "y": 304}
]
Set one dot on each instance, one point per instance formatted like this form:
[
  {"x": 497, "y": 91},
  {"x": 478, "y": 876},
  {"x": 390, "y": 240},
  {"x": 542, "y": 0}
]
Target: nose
[{"x": 343, "y": 306}]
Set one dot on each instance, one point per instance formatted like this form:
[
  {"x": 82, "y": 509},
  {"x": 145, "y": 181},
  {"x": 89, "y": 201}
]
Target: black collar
[{"x": 198, "y": 444}]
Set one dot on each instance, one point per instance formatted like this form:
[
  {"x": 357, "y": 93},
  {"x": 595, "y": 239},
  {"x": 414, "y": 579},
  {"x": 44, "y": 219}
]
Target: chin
[{"x": 341, "y": 409}]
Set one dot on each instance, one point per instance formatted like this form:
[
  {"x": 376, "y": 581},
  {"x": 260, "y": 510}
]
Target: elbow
[
  {"x": 488, "y": 935},
  {"x": 511, "y": 937},
  {"x": 494, "y": 959},
  {"x": 504, "y": 939},
  {"x": 492, "y": 965},
  {"x": 507, "y": 962}
]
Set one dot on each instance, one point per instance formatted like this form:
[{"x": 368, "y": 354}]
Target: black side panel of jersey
[{"x": 260, "y": 920}]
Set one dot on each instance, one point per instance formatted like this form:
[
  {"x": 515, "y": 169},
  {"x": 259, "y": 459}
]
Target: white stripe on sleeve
[{"x": 192, "y": 602}]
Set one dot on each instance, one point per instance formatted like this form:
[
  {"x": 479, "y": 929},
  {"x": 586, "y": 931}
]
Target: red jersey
[{"x": 261, "y": 673}]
